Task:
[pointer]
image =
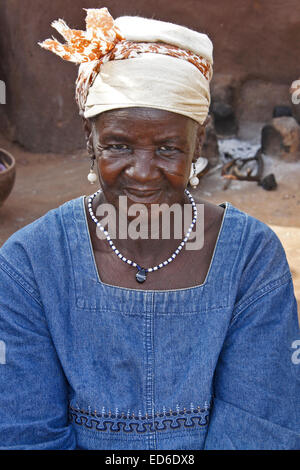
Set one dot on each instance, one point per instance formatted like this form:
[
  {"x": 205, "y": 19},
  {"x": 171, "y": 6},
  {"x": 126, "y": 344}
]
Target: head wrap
[{"x": 136, "y": 61}]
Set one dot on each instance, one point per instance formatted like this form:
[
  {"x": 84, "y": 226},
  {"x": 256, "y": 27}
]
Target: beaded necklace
[{"x": 141, "y": 274}]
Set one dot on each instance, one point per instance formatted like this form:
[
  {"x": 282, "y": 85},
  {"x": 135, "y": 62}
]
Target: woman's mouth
[{"x": 142, "y": 194}]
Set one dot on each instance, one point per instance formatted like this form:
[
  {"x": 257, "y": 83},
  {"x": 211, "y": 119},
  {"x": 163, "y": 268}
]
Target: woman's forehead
[{"x": 135, "y": 118}]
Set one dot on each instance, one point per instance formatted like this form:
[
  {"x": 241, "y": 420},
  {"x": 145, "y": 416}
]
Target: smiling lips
[{"x": 142, "y": 192}]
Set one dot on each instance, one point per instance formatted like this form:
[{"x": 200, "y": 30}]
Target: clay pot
[{"x": 7, "y": 177}]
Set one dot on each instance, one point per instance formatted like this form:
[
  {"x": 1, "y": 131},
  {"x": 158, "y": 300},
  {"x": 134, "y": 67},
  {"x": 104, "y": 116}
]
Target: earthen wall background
[{"x": 256, "y": 53}]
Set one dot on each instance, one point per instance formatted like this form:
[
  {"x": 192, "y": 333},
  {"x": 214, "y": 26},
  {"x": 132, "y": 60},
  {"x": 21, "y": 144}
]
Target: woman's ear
[
  {"x": 199, "y": 140},
  {"x": 87, "y": 126}
]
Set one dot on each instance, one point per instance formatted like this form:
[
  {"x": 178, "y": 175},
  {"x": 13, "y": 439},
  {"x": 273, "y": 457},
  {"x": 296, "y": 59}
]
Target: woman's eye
[
  {"x": 168, "y": 149},
  {"x": 119, "y": 147},
  {"x": 113, "y": 148}
]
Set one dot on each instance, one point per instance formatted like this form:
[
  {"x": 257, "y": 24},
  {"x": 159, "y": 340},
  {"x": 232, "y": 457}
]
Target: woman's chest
[
  {"x": 186, "y": 270},
  {"x": 189, "y": 268}
]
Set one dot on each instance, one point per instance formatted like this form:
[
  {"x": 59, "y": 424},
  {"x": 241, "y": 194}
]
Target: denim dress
[{"x": 88, "y": 365}]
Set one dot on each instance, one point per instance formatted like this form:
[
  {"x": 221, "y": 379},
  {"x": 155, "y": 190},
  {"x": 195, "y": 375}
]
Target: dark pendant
[{"x": 141, "y": 275}]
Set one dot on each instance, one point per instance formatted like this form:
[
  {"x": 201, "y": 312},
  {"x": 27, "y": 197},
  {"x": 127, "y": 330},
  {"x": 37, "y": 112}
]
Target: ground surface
[{"x": 45, "y": 181}]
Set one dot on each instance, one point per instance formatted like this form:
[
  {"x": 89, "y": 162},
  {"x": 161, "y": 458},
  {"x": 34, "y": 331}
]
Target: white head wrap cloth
[{"x": 135, "y": 61}]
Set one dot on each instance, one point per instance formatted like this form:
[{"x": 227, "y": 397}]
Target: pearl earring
[
  {"x": 194, "y": 180},
  {"x": 92, "y": 177}
]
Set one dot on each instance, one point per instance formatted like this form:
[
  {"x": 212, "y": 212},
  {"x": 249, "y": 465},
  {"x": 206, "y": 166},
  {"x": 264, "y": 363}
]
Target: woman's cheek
[
  {"x": 110, "y": 170},
  {"x": 176, "y": 173}
]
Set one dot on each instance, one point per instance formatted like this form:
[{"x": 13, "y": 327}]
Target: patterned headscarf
[{"x": 104, "y": 83}]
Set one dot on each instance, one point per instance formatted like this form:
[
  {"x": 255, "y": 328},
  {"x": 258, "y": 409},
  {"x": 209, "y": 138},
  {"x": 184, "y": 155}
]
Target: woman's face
[{"x": 144, "y": 154}]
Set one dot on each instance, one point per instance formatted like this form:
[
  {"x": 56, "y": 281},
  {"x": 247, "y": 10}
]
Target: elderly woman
[{"x": 124, "y": 342}]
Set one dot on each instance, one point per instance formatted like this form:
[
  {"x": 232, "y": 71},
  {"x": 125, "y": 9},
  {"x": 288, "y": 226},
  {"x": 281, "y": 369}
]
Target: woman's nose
[{"x": 143, "y": 167}]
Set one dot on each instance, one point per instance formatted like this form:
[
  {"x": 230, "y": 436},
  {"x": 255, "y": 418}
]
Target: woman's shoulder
[
  {"x": 261, "y": 259},
  {"x": 42, "y": 236},
  {"x": 255, "y": 233},
  {"x": 251, "y": 228},
  {"x": 259, "y": 255}
]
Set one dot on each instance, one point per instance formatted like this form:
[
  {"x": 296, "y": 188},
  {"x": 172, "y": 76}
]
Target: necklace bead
[{"x": 141, "y": 274}]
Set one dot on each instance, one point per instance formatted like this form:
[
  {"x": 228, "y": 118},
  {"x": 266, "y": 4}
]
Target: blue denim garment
[{"x": 88, "y": 365}]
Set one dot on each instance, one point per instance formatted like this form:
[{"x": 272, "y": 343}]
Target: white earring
[
  {"x": 194, "y": 180},
  {"x": 92, "y": 177}
]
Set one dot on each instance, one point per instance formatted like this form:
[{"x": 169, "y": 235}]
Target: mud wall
[{"x": 254, "y": 40}]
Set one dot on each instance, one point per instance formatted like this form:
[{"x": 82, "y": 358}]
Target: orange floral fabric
[{"x": 100, "y": 37}]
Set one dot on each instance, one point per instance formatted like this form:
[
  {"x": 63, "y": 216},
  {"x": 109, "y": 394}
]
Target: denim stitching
[
  {"x": 19, "y": 279},
  {"x": 68, "y": 248},
  {"x": 236, "y": 262},
  {"x": 81, "y": 306},
  {"x": 273, "y": 285}
]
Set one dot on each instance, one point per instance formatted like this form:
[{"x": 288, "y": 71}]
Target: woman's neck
[{"x": 161, "y": 235}]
